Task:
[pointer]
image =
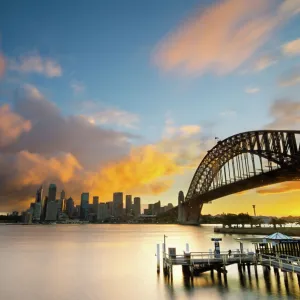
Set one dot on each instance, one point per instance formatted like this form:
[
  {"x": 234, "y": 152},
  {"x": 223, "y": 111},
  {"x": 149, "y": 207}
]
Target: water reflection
[{"x": 114, "y": 261}]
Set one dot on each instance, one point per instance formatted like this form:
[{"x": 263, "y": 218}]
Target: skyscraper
[
  {"x": 128, "y": 204},
  {"x": 95, "y": 204},
  {"x": 62, "y": 195},
  {"x": 51, "y": 214},
  {"x": 70, "y": 207},
  {"x": 156, "y": 208},
  {"x": 84, "y": 206},
  {"x": 52, "y": 192},
  {"x": 38, "y": 207},
  {"x": 102, "y": 213},
  {"x": 118, "y": 204},
  {"x": 137, "y": 206},
  {"x": 44, "y": 210}
]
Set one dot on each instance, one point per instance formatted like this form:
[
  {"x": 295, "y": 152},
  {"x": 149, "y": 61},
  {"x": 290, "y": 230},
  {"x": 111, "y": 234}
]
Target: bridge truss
[{"x": 244, "y": 161}]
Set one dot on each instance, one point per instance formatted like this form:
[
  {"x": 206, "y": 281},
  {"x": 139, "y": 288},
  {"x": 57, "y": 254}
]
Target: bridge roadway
[{"x": 198, "y": 262}]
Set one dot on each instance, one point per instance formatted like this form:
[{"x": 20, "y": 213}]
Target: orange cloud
[
  {"x": 222, "y": 37},
  {"x": 2, "y": 64},
  {"x": 137, "y": 172},
  {"x": 33, "y": 169},
  {"x": 285, "y": 187},
  {"x": 12, "y": 125}
]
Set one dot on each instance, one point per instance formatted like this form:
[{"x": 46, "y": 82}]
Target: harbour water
[{"x": 76, "y": 262}]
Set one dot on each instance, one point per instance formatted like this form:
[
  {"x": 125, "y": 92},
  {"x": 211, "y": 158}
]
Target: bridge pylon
[{"x": 188, "y": 214}]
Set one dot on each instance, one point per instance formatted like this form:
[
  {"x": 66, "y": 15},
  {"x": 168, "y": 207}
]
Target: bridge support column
[{"x": 189, "y": 214}]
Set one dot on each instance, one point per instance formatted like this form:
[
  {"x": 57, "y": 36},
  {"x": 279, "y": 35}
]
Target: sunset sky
[{"x": 107, "y": 96}]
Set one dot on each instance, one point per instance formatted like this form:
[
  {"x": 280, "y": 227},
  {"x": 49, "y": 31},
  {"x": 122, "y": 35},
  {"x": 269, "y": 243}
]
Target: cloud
[
  {"x": 189, "y": 129},
  {"x": 2, "y": 64},
  {"x": 99, "y": 113},
  {"x": 171, "y": 130},
  {"x": 138, "y": 172},
  {"x": 79, "y": 156},
  {"x": 285, "y": 187},
  {"x": 52, "y": 132},
  {"x": 285, "y": 114},
  {"x": 11, "y": 126},
  {"x": 252, "y": 90},
  {"x": 291, "y": 48},
  {"x": 34, "y": 63},
  {"x": 77, "y": 87},
  {"x": 264, "y": 62},
  {"x": 114, "y": 116},
  {"x": 187, "y": 143},
  {"x": 222, "y": 37},
  {"x": 291, "y": 78},
  {"x": 26, "y": 169}
]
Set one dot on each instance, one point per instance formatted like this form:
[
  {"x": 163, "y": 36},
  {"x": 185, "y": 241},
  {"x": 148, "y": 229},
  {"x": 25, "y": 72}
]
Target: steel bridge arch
[{"x": 277, "y": 146}]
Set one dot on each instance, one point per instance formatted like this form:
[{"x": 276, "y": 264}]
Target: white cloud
[
  {"x": 34, "y": 63},
  {"x": 114, "y": 116},
  {"x": 222, "y": 37},
  {"x": 189, "y": 129},
  {"x": 252, "y": 90},
  {"x": 285, "y": 114},
  {"x": 264, "y": 62},
  {"x": 171, "y": 130},
  {"x": 77, "y": 87},
  {"x": 291, "y": 48}
]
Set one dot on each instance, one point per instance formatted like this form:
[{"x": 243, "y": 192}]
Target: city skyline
[
  {"x": 49, "y": 209},
  {"x": 137, "y": 103}
]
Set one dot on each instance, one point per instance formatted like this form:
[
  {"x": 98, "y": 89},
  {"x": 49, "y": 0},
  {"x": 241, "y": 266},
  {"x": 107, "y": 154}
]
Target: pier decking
[{"x": 194, "y": 263}]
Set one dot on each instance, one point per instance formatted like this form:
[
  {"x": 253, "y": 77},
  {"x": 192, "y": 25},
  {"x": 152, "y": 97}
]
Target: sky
[{"x": 109, "y": 96}]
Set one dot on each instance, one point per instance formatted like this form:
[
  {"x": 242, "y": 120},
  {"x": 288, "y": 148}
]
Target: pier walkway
[
  {"x": 285, "y": 263},
  {"x": 194, "y": 263}
]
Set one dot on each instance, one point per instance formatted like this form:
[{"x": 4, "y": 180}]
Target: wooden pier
[{"x": 194, "y": 263}]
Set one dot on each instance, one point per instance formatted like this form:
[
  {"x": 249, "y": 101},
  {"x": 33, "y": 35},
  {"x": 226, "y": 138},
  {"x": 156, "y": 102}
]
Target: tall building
[
  {"x": 128, "y": 204},
  {"x": 70, "y": 207},
  {"x": 118, "y": 204},
  {"x": 84, "y": 206},
  {"x": 156, "y": 208},
  {"x": 59, "y": 203},
  {"x": 51, "y": 214},
  {"x": 36, "y": 216},
  {"x": 38, "y": 207},
  {"x": 95, "y": 204},
  {"x": 44, "y": 210},
  {"x": 110, "y": 206},
  {"x": 137, "y": 206},
  {"x": 52, "y": 192},
  {"x": 63, "y": 195},
  {"x": 63, "y": 200},
  {"x": 102, "y": 213}
]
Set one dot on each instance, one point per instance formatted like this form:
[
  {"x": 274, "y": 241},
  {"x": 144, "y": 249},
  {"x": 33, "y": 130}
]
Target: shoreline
[{"x": 292, "y": 231}]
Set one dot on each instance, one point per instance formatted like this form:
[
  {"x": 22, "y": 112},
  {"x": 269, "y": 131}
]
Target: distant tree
[
  {"x": 244, "y": 219},
  {"x": 274, "y": 222},
  {"x": 281, "y": 222},
  {"x": 256, "y": 221},
  {"x": 229, "y": 220}
]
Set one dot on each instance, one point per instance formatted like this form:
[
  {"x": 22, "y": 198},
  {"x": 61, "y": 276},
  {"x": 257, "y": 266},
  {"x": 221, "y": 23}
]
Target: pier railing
[
  {"x": 209, "y": 257},
  {"x": 284, "y": 262}
]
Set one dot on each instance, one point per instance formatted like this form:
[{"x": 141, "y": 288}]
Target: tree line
[{"x": 236, "y": 220}]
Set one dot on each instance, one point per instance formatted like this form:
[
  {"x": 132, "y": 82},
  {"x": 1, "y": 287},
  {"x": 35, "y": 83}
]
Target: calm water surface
[{"x": 81, "y": 262}]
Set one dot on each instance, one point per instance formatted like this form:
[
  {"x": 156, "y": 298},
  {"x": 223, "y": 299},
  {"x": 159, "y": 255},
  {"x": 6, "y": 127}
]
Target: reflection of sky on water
[{"x": 118, "y": 262}]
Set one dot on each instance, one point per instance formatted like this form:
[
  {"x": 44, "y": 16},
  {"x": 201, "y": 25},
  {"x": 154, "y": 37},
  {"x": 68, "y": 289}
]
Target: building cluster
[
  {"x": 50, "y": 209},
  {"x": 156, "y": 208}
]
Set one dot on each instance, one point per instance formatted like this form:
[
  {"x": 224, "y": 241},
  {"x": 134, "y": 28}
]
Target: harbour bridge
[{"x": 238, "y": 163}]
